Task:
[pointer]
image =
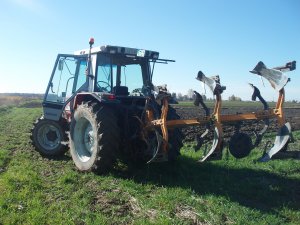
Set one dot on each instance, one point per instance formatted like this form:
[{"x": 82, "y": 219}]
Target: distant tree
[
  {"x": 179, "y": 97},
  {"x": 204, "y": 97},
  {"x": 234, "y": 98},
  {"x": 174, "y": 95},
  {"x": 185, "y": 98},
  {"x": 190, "y": 94},
  {"x": 231, "y": 98}
]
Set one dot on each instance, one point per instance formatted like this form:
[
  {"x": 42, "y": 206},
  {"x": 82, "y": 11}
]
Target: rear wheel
[
  {"x": 49, "y": 137},
  {"x": 94, "y": 137}
]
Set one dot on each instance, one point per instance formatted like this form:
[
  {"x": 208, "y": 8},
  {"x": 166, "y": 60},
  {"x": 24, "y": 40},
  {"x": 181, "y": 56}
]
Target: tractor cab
[
  {"x": 123, "y": 71},
  {"x": 124, "y": 74}
]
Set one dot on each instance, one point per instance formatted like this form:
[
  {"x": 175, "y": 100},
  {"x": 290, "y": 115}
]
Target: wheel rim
[
  {"x": 49, "y": 137},
  {"x": 84, "y": 139}
]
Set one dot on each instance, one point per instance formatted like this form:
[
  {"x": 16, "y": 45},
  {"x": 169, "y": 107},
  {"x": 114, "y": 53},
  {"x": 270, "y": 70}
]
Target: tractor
[
  {"x": 97, "y": 104},
  {"x": 101, "y": 104}
]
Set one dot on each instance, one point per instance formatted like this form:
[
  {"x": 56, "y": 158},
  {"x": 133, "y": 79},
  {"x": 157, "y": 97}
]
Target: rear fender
[{"x": 104, "y": 98}]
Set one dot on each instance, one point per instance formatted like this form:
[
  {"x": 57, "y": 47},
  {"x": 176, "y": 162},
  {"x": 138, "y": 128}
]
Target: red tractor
[{"x": 98, "y": 102}]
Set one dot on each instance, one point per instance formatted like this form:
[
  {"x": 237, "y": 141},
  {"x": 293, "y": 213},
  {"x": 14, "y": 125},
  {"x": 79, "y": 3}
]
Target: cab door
[{"x": 68, "y": 77}]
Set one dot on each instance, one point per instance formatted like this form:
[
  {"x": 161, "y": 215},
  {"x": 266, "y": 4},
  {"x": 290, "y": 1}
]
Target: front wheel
[
  {"x": 94, "y": 137},
  {"x": 49, "y": 137}
]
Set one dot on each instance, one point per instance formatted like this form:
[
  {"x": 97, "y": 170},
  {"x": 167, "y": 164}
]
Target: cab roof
[{"x": 130, "y": 52}]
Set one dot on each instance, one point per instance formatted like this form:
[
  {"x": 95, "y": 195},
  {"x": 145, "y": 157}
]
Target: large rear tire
[
  {"x": 94, "y": 137},
  {"x": 49, "y": 137}
]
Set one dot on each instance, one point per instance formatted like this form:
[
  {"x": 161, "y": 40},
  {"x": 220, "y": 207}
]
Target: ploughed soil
[{"x": 188, "y": 112}]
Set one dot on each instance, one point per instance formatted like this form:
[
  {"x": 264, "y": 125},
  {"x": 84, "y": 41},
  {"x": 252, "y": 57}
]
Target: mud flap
[
  {"x": 216, "y": 143},
  {"x": 282, "y": 138}
]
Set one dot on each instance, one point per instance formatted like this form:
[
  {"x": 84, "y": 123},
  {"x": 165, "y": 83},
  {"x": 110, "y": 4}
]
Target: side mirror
[{"x": 61, "y": 64}]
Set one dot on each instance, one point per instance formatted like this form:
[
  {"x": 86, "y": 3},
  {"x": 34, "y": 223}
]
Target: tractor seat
[{"x": 120, "y": 90}]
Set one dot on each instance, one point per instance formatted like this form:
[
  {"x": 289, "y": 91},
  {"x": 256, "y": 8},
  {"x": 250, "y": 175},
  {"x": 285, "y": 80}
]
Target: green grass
[{"x": 37, "y": 190}]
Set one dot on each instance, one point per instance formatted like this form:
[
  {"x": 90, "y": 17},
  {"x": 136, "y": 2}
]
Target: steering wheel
[
  {"x": 137, "y": 92},
  {"x": 105, "y": 88}
]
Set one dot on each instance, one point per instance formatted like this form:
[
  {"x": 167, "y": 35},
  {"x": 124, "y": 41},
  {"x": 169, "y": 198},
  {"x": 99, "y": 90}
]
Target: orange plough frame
[{"x": 217, "y": 119}]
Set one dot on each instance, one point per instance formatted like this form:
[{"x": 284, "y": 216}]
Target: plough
[{"x": 240, "y": 143}]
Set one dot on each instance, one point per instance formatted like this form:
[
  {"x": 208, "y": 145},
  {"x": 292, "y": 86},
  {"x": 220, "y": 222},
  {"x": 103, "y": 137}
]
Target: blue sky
[{"x": 218, "y": 37}]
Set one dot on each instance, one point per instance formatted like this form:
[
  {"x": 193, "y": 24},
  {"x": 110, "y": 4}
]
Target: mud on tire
[
  {"x": 49, "y": 137},
  {"x": 94, "y": 137}
]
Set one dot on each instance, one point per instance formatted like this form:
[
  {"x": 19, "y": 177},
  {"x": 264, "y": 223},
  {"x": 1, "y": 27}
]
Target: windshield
[{"x": 114, "y": 72}]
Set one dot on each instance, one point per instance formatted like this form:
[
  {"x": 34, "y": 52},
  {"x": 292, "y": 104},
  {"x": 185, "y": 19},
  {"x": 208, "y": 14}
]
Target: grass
[{"x": 37, "y": 190}]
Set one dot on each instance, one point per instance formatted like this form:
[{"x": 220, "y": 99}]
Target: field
[
  {"x": 16, "y": 99},
  {"x": 37, "y": 190}
]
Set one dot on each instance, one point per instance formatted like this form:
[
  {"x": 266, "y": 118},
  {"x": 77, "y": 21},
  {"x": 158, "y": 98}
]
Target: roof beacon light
[{"x": 91, "y": 42}]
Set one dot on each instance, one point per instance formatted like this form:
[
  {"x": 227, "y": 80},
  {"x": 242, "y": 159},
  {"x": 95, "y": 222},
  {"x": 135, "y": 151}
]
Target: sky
[{"x": 219, "y": 37}]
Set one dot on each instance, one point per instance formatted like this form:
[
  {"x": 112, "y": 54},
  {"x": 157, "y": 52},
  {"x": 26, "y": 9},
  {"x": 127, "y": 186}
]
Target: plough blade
[
  {"x": 209, "y": 81},
  {"x": 282, "y": 138},
  {"x": 200, "y": 139},
  {"x": 276, "y": 77},
  {"x": 216, "y": 144},
  {"x": 157, "y": 157}
]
